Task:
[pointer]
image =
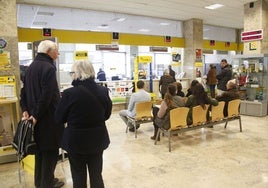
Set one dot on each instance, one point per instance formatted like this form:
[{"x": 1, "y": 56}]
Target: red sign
[{"x": 251, "y": 35}]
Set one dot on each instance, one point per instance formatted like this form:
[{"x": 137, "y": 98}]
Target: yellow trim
[{"x": 64, "y": 36}]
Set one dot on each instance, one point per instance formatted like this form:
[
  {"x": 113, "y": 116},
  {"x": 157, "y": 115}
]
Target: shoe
[
  {"x": 58, "y": 184},
  {"x": 137, "y": 126},
  {"x": 153, "y": 138},
  {"x": 131, "y": 129}
]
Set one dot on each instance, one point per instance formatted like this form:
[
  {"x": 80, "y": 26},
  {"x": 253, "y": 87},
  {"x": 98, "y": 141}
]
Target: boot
[{"x": 155, "y": 133}]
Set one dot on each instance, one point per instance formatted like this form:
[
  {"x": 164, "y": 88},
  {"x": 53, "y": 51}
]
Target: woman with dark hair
[
  {"x": 199, "y": 97},
  {"x": 189, "y": 91},
  {"x": 179, "y": 90},
  {"x": 161, "y": 115}
]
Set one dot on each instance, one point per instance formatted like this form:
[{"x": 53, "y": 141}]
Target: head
[
  {"x": 193, "y": 83},
  {"x": 140, "y": 84},
  {"x": 82, "y": 69},
  {"x": 169, "y": 67},
  {"x": 166, "y": 72},
  {"x": 211, "y": 66},
  {"x": 223, "y": 63},
  {"x": 231, "y": 84},
  {"x": 179, "y": 86},
  {"x": 48, "y": 47}
]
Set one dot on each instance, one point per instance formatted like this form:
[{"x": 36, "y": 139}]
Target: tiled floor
[{"x": 204, "y": 158}]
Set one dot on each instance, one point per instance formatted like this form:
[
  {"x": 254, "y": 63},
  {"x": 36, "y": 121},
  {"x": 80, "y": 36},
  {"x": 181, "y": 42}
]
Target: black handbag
[{"x": 23, "y": 141}]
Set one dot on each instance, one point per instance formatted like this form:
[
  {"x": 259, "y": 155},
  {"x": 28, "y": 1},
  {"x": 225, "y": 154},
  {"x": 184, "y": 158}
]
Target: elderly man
[{"x": 39, "y": 99}]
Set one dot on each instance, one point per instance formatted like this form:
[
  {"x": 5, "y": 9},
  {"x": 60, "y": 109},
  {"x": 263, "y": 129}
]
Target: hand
[
  {"x": 33, "y": 120},
  {"x": 25, "y": 115}
]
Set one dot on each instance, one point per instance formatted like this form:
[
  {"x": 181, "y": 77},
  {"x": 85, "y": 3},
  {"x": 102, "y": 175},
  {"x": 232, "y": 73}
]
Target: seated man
[
  {"x": 140, "y": 96},
  {"x": 231, "y": 94}
]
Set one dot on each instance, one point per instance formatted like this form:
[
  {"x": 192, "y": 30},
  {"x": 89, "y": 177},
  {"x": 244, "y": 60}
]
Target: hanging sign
[
  {"x": 144, "y": 59},
  {"x": 81, "y": 55},
  {"x": 251, "y": 35}
]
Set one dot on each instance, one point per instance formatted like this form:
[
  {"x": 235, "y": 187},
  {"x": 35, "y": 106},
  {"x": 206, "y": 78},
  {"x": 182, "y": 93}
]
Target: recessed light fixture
[
  {"x": 144, "y": 30},
  {"x": 39, "y": 23},
  {"x": 214, "y": 6},
  {"x": 103, "y": 26},
  {"x": 45, "y": 13},
  {"x": 164, "y": 23},
  {"x": 120, "y": 19}
]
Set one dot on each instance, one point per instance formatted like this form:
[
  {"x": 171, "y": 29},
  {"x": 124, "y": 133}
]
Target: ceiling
[{"x": 152, "y": 17}]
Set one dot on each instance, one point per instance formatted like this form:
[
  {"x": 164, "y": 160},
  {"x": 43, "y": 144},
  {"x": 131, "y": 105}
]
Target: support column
[
  {"x": 8, "y": 32},
  {"x": 255, "y": 18},
  {"x": 193, "y": 35}
]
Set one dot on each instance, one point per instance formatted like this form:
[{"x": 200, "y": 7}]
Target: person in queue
[
  {"x": 211, "y": 80},
  {"x": 140, "y": 96},
  {"x": 85, "y": 107},
  {"x": 224, "y": 76},
  {"x": 190, "y": 90},
  {"x": 232, "y": 93},
  {"x": 171, "y": 101},
  {"x": 164, "y": 81},
  {"x": 198, "y": 97},
  {"x": 39, "y": 97}
]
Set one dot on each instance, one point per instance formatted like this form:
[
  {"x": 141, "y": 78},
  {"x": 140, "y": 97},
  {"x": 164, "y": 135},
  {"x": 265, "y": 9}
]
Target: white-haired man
[{"x": 39, "y": 99}]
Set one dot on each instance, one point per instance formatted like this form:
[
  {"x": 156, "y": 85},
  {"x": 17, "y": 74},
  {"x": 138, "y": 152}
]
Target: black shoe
[
  {"x": 131, "y": 129},
  {"x": 137, "y": 126},
  {"x": 153, "y": 138},
  {"x": 58, "y": 184}
]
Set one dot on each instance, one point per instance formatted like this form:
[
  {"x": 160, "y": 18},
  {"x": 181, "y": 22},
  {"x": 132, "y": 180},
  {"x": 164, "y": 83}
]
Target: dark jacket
[
  {"x": 85, "y": 107},
  {"x": 223, "y": 77},
  {"x": 164, "y": 81},
  {"x": 228, "y": 96},
  {"x": 40, "y": 96}
]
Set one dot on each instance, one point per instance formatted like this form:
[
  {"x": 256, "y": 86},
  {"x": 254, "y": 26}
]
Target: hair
[
  {"x": 211, "y": 66},
  {"x": 231, "y": 85},
  {"x": 46, "y": 45},
  {"x": 193, "y": 83},
  {"x": 200, "y": 95},
  {"x": 179, "y": 86},
  {"x": 171, "y": 91},
  {"x": 224, "y": 60},
  {"x": 83, "y": 69},
  {"x": 140, "y": 84},
  {"x": 166, "y": 72}
]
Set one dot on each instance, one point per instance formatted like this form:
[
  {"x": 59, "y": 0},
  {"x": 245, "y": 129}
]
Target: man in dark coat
[
  {"x": 224, "y": 76},
  {"x": 39, "y": 99},
  {"x": 172, "y": 72}
]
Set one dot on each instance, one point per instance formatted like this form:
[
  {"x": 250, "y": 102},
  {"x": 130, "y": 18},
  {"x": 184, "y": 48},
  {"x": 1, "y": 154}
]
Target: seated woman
[
  {"x": 161, "y": 115},
  {"x": 231, "y": 94},
  {"x": 198, "y": 97},
  {"x": 179, "y": 90},
  {"x": 190, "y": 90}
]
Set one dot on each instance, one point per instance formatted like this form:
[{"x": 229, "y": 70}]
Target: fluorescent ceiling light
[
  {"x": 39, "y": 23},
  {"x": 120, "y": 19},
  {"x": 214, "y": 6},
  {"x": 45, "y": 13},
  {"x": 144, "y": 30},
  {"x": 164, "y": 23},
  {"x": 103, "y": 26}
]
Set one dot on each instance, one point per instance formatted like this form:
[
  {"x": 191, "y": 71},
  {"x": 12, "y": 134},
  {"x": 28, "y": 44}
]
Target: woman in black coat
[{"x": 85, "y": 108}]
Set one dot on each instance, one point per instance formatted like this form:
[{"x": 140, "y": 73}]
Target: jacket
[
  {"x": 223, "y": 77},
  {"x": 211, "y": 76},
  {"x": 85, "y": 108},
  {"x": 40, "y": 96}
]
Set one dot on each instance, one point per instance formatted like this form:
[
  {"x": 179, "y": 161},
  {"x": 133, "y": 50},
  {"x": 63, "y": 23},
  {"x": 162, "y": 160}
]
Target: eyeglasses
[{"x": 71, "y": 73}]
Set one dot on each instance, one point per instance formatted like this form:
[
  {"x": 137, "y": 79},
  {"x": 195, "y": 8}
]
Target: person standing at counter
[
  {"x": 164, "y": 81},
  {"x": 39, "y": 98},
  {"x": 85, "y": 108},
  {"x": 211, "y": 80},
  {"x": 101, "y": 76},
  {"x": 172, "y": 72}
]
